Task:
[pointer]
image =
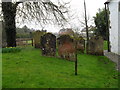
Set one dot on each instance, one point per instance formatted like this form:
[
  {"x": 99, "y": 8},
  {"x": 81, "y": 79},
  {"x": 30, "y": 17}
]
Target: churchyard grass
[
  {"x": 30, "y": 41},
  {"x": 105, "y": 45},
  {"x": 28, "y": 69},
  {"x": 11, "y": 50}
]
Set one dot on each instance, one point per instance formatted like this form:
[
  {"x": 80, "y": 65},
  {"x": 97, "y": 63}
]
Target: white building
[{"x": 114, "y": 30}]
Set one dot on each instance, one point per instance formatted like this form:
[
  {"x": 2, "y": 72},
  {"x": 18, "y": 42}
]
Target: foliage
[
  {"x": 23, "y": 30},
  {"x": 11, "y": 50},
  {"x": 28, "y": 69},
  {"x": 100, "y": 23},
  {"x": 23, "y": 36}
]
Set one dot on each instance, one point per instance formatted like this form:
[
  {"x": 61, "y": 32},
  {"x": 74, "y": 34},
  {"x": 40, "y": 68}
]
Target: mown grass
[
  {"x": 28, "y": 69},
  {"x": 105, "y": 45}
]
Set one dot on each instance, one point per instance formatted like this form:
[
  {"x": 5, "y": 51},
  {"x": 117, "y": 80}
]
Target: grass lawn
[
  {"x": 105, "y": 45},
  {"x": 28, "y": 69}
]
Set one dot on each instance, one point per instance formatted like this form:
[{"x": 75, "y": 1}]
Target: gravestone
[
  {"x": 48, "y": 44},
  {"x": 95, "y": 45},
  {"x": 66, "y": 47},
  {"x": 81, "y": 44},
  {"x": 36, "y": 38}
]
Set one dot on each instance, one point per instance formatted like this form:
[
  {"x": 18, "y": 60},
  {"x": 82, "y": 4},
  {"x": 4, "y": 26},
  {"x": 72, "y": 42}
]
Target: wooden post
[{"x": 32, "y": 41}]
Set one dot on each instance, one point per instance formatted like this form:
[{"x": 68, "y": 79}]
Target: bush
[
  {"x": 11, "y": 50},
  {"x": 25, "y": 35}
]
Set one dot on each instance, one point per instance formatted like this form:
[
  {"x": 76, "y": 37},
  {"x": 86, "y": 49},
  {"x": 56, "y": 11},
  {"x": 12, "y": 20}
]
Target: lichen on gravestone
[
  {"x": 48, "y": 44},
  {"x": 66, "y": 47},
  {"x": 36, "y": 38},
  {"x": 95, "y": 45}
]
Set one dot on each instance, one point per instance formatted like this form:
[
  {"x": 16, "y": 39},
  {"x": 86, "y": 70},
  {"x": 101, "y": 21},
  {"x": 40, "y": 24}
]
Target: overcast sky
[{"x": 77, "y": 7}]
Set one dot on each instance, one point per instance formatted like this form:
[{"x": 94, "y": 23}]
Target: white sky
[{"x": 77, "y": 7}]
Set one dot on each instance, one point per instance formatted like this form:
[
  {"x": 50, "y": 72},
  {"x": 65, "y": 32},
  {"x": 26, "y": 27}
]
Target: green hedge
[
  {"x": 11, "y": 50},
  {"x": 25, "y": 35}
]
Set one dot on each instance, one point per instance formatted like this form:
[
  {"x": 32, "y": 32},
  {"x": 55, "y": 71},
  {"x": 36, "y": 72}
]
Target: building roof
[
  {"x": 89, "y": 29},
  {"x": 109, "y": 1},
  {"x": 66, "y": 31}
]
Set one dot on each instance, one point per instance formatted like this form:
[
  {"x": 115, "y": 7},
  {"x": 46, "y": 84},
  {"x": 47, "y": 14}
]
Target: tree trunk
[{"x": 9, "y": 13}]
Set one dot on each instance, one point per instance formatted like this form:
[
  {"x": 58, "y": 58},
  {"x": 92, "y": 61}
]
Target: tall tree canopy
[
  {"x": 100, "y": 22},
  {"x": 42, "y": 11}
]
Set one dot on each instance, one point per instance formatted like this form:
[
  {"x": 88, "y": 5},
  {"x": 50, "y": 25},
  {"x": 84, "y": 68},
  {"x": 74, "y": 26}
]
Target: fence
[{"x": 24, "y": 41}]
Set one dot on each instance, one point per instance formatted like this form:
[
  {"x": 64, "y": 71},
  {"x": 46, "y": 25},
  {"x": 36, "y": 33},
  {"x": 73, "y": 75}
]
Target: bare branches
[
  {"x": 42, "y": 11},
  {"x": 16, "y": 4}
]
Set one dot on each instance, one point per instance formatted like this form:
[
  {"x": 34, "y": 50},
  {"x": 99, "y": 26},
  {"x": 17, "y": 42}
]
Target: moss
[
  {"x": 37, "y": 37},
  {"x": 48, "y": 44}
]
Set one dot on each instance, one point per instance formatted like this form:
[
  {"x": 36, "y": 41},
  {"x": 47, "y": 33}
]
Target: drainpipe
[{"x": 107, "y": 24}]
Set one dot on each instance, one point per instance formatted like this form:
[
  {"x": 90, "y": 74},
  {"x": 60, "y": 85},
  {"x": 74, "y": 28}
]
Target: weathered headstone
[
  {"x": 66, "y": 48},
  {"x": 81, "y": 44},
  {"x": 95, "y": 45},
  {"x": 36, "y": 38},
  {"x": 48, "y": 44}
]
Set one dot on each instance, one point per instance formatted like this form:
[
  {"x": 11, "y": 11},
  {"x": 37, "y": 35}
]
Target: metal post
[
  {"x": 87, "y": 35},
  {"x": 107, "y": 27},
  {"x": 75, "y": 57}
]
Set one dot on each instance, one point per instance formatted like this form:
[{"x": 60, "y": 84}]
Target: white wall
[
  {"x": 113, "y": 7},
  {"x": 119, "y": 32}
]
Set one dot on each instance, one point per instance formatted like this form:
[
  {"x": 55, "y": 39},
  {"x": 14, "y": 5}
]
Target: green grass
[
  {"x": 28, "y": 69},
  {"x": 105, "y": 45},
  {"x": 11, "y": 50},
  {"x": 30, "y": 41}
]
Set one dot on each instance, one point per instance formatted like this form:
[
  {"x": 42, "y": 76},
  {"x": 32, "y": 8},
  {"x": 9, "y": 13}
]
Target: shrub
[
  {"x": 11, "y": 50},
  {"x": 24, "y": 35}
]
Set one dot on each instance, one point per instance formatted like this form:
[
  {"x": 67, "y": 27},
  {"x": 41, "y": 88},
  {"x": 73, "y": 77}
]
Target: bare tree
[
  {"x": 82, "y": 21},
  {"x": 42, "y": 11}
]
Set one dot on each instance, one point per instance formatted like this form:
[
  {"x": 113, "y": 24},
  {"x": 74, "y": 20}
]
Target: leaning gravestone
[
  {"x": 36, "y": 38},
  {"x": 66, "y": 48},
  {"x": 81, "y": 44},
  {"x": 95, "y": 45},
  {"x": 48, "y": 44}
]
